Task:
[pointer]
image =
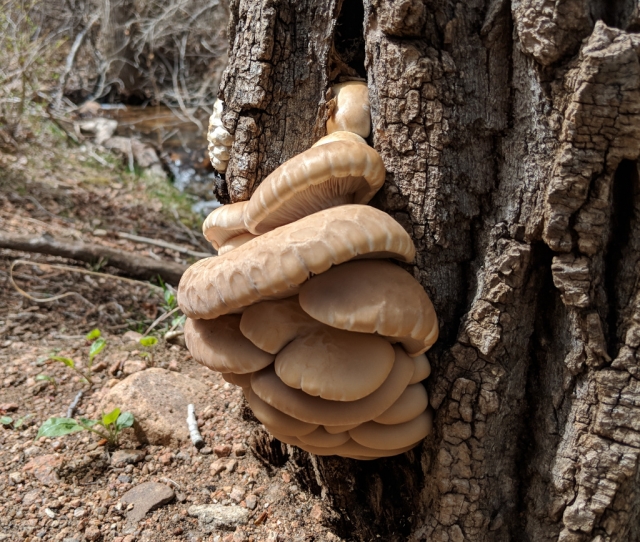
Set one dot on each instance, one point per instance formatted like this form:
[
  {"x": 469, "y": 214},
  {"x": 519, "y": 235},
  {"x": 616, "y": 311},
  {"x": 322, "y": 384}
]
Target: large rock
[
  {"x": 145, "y": 498},
  {"x": 158, "y": 400}
]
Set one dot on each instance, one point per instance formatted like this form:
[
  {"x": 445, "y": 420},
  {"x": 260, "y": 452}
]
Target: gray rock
[
  {"x": 120, "y": 458},
  {"x": 216, "y": 516},
  {"x": 145, "y": 498}
]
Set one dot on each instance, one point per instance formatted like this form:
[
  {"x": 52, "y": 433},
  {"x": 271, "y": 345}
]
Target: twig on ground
[
  {"x": 196, "y": 241},
  {"x": 74, "y": 404},
  {"x": 170, "y": 335},
  {"x": 160, "y": 319},
  {"x": 132, "y": 264},
  {"x": 162, "y": 244},
  {"x": 170, "y": 482},
  {"x": 192, "y": 424},
  {"x": 36, "y": 299}
]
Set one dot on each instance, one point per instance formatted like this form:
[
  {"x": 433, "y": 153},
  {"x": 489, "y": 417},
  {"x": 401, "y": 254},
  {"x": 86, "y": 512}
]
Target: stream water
[{"x": 183, "y": 146}]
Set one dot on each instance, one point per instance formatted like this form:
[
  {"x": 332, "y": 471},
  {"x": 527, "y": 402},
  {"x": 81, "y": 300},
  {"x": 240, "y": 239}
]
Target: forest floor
[{"x": 72, "y": 488}]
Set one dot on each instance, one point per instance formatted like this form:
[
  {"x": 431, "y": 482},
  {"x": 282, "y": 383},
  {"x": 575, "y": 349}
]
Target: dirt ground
[{"x": 69, "y": 488}]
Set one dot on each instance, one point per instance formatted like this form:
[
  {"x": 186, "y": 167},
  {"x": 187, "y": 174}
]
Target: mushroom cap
[
  {"x": 242, "y": 380},
  {"x": 224, "y": 223},
  {"x": 409, "y": 405},
  {"x": 333, "y": 429},
  {"x": 219, "y": 345},
  {"x": 373, "y": 297},
  {"x": 422, "y": 367},
  {"x": 352, "y": 111},
  {"x": 349, "y": 449},
  {"x": 336, "y": 173},
  {"x": 340, "y": 135},
  {"x": 302, "y": 406},
  {"x": 275, "y": 264},
  {"x": 388, "y": 437},
  {"x": 235, "y": 242},
  {"x": 334, "y": 364},
  {"x": 271, "y": 325},
  {"x": 323, "y": 439},
  {"x": 276, "y": 421}
]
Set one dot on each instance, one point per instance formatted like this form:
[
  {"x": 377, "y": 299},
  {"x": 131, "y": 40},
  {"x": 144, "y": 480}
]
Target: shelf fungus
[
  {"x": 303, "y": 308},
  {"x": 220, "y": 140}
]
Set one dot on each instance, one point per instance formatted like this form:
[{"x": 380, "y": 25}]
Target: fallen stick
[
  {"x": 132, "y": 264},
  {"x": 74, "y": 404},
  {"x": 192, "y": 424},
  {"x": 163, "y": 244}
]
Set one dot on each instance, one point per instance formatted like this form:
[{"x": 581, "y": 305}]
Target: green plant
[
  {"x": 8, "y": 421},
  {"x": 47, "y": 378},
  {"x": 109, "y": 426},
  {"x": 97, "y": 346},
  {"x": 148, "y": 341}
]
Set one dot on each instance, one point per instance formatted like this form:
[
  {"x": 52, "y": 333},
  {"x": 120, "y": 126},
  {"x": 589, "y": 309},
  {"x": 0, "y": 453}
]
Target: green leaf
[
  {"x": 179, "y": 320},
  {"x": 93, "y": 334},
  {"x": 6, "y": 420},
  {"x": 67, "y": 361},
  {"x": 86, "y": 422},
  {"x": 57, "y": 427},
  {"x": 44, "y": 377},
  {"x": 111, "y": 417},
  {"x": 148, "y": 341},
  {"x": 20, "y": 421},
  {"x": 96, "y": 348},
  {"x": 169, "y": 298},
  {"x": 124, "y": 420}
]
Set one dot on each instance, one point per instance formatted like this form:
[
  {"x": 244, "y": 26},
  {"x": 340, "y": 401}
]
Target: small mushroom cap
[
  {"x": 334, "y": 429},
  {"x": 275, "y": 264},
  {"x": 422, "y": 369},
  {"x": 307, "y": 408},
  {"x": 409, "y": 405},
  {"x": 242, "y": 380},
  {"x": 322, "y": 439},
  {"x": 224, "y": 223},
  {"x": 219, "y": 345},
  {"x": 351, "y": 109},
  {"x": 388, "y": 437},
  {"x": 373, "y": 297},
  {"x": 334, "y": 364},
  {"x": 333, "y": 174},
  {"x": 349, "y": 449},
  {"x": 276, "y": 421},
  {"x": 235, "y": 242},
  {"x": 339, "y": 136},
  {"x": 271, "y": 325}
]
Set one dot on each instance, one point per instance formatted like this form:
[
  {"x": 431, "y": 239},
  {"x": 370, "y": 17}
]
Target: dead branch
[
  {"x": 192, "y": 424},
  {"x": 132, "y": 264},
  {"x": 163, "y": 244}
]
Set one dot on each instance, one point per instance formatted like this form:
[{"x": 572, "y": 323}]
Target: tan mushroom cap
[
  {"x": 302, "y": 406},
  {"x": 322, "y": 439},
  {"x": 409, "y": 405},
  {"x": 242, "y": 380},
  {"x": 334, "y": 429},
  {"x": 219, "y": 345},
  {"x": 351, "y": 109},
  {"x": 277, "y": 263},
  {"x": 421, "y": 371},
  {"x": 329, "y": 175},
  {"x": 339, "y": 136},
  {"x": 224, "y": 223},
  {"x": 373, "y": 297},
  {"x": 334, "y": 364},
  {"x": 235, "y": 242},
  {"x": 276, "y": 421},
  {"x": 387, "y": 437},
  {"x": 271, "y": 325},
  {"x": 349, "y": 449}
]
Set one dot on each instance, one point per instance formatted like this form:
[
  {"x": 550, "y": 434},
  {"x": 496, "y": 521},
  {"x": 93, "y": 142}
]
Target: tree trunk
[{"x": 510, "y": 132}]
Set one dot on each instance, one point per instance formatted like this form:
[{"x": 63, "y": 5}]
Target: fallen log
[{"x": 132, "y": 264}]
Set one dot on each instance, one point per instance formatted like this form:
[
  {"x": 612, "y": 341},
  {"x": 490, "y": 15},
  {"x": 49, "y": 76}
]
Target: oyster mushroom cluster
[
  {"x": 220, "y": 140},
  {"x": 303, "y": 309}
]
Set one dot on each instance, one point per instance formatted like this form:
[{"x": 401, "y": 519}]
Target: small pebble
[
  {"x": 124, "y": 478},
  {"x": 206, "y": 450}
]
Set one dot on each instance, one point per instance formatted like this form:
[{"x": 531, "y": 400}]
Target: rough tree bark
[{"x": 510, "y": 131}]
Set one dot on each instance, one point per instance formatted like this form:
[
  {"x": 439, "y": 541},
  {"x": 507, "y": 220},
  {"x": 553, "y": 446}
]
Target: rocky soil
[{"x": 241, "y": 486}]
